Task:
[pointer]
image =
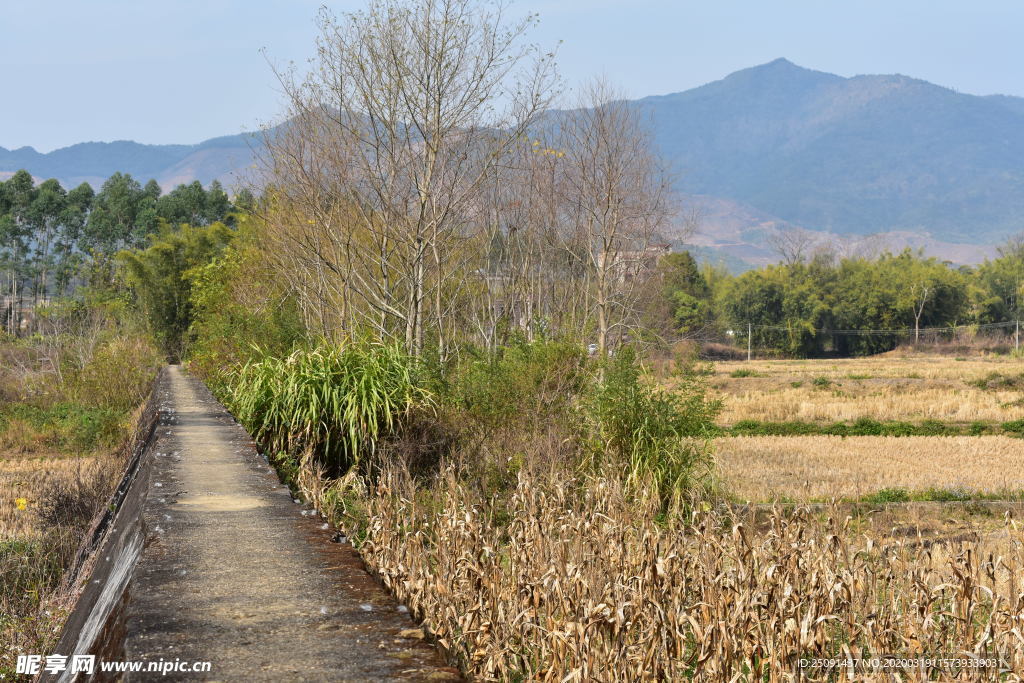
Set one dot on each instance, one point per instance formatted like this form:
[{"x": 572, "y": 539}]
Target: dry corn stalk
[{"x": 568, "y": 580}]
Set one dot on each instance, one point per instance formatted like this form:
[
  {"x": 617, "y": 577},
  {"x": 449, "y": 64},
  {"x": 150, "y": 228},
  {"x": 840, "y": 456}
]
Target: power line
[{"x": 889, "y": 332}]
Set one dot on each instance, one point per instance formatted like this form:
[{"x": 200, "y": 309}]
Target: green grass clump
[
  {"x": 867, "y": 426},
  {"x": 67, "y": 426},
  {"x": 888, "y": 495},
  {"x": 997, "y": 381},
  {"x": 979, "y": 428},
  {"x": 757, "y": 428},
  {"x": 821, "y": 382},
  {"x": 336, "y": 400},
  {"x": 659, "y": 437},
  {"x": 942, "y": 495},
  {"x": 1014, "y": 427},
  {"x": 745, "y": 372}
]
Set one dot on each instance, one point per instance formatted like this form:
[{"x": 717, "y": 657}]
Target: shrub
[
  {"x": 334, "y": 400},
  {"x": 525, "y": 381},
  {"x": 822, "y": 382},
  {"x": 658, "y": 437},
  {"x": 119, "y": 375}
]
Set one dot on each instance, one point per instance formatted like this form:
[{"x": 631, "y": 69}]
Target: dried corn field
[
  {"x": 567, "y": 578},
  {"x": 763, "y": 468},
  {"x": 570, "y": 581},
  {"x": 882, "y": 388}
]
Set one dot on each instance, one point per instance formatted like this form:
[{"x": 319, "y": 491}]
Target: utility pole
[{"x": 749, "y": 329}]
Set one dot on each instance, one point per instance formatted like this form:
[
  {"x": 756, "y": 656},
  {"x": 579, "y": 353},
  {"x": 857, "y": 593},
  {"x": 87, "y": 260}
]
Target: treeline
[
  {"x": 828, "y": 305},
  {"x": 52, "y": 237}
]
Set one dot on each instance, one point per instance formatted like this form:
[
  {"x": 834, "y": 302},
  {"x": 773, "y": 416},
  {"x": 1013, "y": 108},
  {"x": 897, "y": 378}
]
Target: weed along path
[{"x": 237, "y": 574}]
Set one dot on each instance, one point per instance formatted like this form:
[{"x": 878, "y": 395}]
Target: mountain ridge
[{"x": 844, "y": 156}]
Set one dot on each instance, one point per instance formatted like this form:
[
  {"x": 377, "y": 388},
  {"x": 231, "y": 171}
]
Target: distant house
[
  {"x": 17, "y": 314},
  {"x": 630, "y": 264}
]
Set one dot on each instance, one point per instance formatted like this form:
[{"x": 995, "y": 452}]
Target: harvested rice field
[
  {"x": 909, "y": 388},
  {"x": 939, "y": 390},
  {"x": 26, "y": 481},
  {"x": 819, "y": 468}
]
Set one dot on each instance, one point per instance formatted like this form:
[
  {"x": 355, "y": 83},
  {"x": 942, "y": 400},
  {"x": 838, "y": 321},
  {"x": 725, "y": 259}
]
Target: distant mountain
[
  {"x": 762, "y": 150},
  {"x": 854, "y": 155},
  {"x": 226, "y": 159}
]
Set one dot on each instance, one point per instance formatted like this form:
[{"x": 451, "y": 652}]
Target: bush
[
  {"x": 660, "y": 438},
  {"x": 119, "y": 375},
  {"x": 525, "y": 381},
  {"x": 332, "y": 400}
]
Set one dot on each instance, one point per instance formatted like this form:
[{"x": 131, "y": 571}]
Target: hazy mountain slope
[
  {"x": 223, "y": 158},
  {"x": 779, "y": 144},
  {"x": 858, "y": 155}
]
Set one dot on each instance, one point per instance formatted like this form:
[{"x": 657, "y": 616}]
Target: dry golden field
[
  {"x": 762, "y": 468},
  {"x": 24, "y": 481},
  {"x": 882, "y": 387}
]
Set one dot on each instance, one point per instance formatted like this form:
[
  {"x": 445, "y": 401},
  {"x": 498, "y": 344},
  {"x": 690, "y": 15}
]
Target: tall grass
[
  {"x": 334, "y": 400},
  {"x": 657, "y": 437}
]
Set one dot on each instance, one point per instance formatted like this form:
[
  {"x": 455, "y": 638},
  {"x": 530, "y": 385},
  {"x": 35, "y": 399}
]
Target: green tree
[
  {"x": 1001, "y": 284},
  {"x": 45, "y": 213},
  {"x": 157, "y": 274},
  {"x": 113, "y": 222},
  {"x": 677, "y": 298}
]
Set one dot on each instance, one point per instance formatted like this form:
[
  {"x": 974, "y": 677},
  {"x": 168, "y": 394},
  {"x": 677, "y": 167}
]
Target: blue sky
[{"x": 181, "y": 71}]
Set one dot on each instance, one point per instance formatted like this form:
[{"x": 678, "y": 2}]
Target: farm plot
[
  {"x": 881, "y": 388},
  {"x": 819, "y": 468}
]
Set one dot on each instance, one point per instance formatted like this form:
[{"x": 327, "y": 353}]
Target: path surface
[{"x": 233, "y": 572}]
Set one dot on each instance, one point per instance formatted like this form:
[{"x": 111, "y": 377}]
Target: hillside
[
  {"x": 224, "y": 158},
  {"x": 762, "y": 150},
  {"x": 852, "y": 156}
]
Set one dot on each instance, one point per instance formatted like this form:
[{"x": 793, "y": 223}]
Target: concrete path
[{"x": 233, "y": 573}]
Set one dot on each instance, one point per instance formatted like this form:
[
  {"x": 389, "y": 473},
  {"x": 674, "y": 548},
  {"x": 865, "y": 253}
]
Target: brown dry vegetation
[
  {"x": 32, "y": 478},
  {"x": 762, "y": 468},
  {"x": 883, "y": 388},
  {"x": 571, "y": 580},
  {"x": 62, "y": 431},
  {"x": 37, "y": 543},
  {"x": 557, "y": 575}
]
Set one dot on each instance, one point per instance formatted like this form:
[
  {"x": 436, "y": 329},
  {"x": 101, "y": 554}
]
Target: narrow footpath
[{"x": 236, "y": 573}]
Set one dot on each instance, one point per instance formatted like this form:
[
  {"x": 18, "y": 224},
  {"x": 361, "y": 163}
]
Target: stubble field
[{"x": 940, "y": 392}]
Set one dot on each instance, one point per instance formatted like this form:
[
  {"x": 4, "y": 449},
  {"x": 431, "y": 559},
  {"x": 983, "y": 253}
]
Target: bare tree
[
  {"x": 376, "y": 176},
  {"x": 793, "y": 245},
  {"x": 618, "y": 198},
  {"x": 919, "y": 293}
]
